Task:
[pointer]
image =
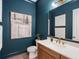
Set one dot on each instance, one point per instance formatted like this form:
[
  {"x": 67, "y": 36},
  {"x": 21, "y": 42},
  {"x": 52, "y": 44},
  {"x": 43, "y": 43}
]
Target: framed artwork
[
  {"x": 60, "y": 20},
  {"x": 21, "y": 25},
  {"x": 60, "y": 26}
]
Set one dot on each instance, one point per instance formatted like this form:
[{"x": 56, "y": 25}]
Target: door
[{"x": 76, "y": 24}]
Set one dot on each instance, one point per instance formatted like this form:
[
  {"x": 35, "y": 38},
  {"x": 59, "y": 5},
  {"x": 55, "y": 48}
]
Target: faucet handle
[
  {"x": 59, "y": 41},
  {"x": 63, "y": 42},
  {"x": 56, "y": 40}
]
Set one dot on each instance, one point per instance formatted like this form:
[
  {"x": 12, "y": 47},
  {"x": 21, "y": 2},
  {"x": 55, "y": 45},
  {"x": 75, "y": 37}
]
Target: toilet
[{"x": 32, "y": 50}]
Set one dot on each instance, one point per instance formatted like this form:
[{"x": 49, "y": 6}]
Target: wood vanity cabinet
[
  {"x": 63, "y": 57},
  {"x": 45, "y": 53}
]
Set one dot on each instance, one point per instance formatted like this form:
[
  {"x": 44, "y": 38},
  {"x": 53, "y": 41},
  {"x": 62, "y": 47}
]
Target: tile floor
[{"x": 20, "y": 56}]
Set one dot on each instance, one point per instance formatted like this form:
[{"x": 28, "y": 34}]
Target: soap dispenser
[{"x": 51, "y": 38}]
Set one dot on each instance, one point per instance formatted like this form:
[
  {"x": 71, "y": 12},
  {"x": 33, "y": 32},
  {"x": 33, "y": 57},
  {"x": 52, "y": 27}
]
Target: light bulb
[{"x": 54, "y": 5}]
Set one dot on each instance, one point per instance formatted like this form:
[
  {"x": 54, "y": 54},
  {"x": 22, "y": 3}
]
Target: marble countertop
[{"x": 65, "y": 50}]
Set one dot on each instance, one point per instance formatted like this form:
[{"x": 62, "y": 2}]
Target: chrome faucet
[{"x": 60, "y": 41}]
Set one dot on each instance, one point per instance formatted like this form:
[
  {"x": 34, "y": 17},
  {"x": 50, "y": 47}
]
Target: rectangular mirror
[{"x": 65, "y": 22}]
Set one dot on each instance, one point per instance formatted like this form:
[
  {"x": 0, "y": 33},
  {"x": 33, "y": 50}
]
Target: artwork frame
[
  {"x": 60, "y": 26},
  {"x": 20, "y": 25}
]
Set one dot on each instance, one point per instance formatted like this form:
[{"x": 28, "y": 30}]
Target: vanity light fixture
[
  {"x": 57, "y": 3},
  {"x": 34, "y": 0},
  {"x": 31, "y": 1},
  {"x": 54, "y": 5}
]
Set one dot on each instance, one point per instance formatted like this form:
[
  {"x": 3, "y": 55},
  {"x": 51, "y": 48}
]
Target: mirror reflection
[
  {"x": 76, "y": 24},
  {"x": 60, "y": 25}
]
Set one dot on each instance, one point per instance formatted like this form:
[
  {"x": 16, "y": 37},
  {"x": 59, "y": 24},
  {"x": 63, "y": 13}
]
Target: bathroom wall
[
  {"x": 42, "y": 9},
  {"x": 65, "y": 9},
  {"x": 0, "y": 54},
  {"x": 18, "y": 45}
]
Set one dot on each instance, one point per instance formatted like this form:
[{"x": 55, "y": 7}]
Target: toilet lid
[{"x": 31, "y": 49}]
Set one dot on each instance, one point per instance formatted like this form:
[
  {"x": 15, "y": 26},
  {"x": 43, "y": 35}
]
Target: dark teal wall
[
  {"x": 42, "y": 9},
  {"x": 0, "y": 54},
  {"x": 11, "y": 46},
  {"x": 65, "y": 9}
]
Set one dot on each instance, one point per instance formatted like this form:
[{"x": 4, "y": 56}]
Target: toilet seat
[{"x": 31, "y": 49}]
